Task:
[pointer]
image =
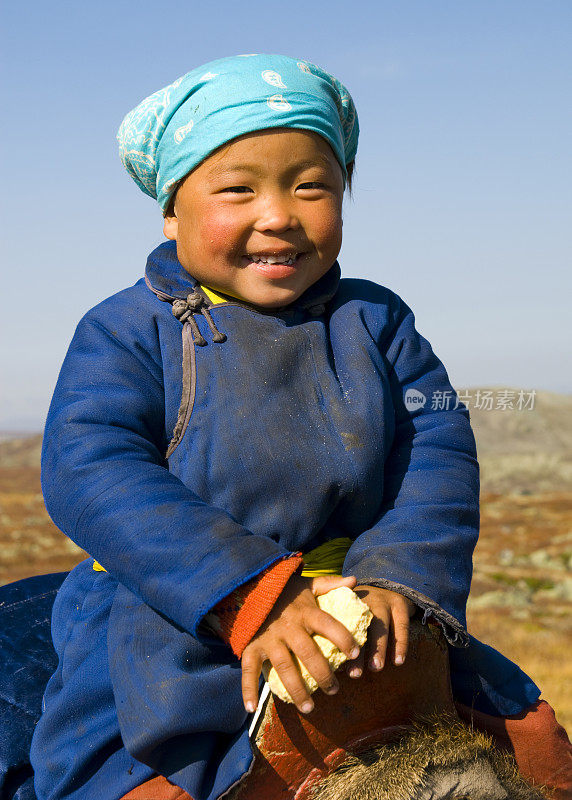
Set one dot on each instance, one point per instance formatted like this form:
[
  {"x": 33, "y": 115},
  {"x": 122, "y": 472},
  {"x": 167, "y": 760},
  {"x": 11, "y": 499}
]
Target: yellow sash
[{"x": 327, "y": 559}]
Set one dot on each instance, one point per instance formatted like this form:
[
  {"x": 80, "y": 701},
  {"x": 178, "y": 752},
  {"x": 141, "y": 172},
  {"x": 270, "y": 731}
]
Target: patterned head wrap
[{"x": 173, "y": 130}]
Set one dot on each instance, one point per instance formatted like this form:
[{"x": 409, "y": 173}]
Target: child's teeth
[{"x": 273, "y": 260}]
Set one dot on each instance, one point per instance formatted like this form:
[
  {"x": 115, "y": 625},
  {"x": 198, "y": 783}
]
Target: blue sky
[{"x": 462, "y": 201}]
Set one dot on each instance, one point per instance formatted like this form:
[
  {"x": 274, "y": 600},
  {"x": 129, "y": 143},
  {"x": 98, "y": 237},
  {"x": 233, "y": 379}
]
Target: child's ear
[
  {"x": 170, "y": 225},
  {"x": 170, "y": 221}
]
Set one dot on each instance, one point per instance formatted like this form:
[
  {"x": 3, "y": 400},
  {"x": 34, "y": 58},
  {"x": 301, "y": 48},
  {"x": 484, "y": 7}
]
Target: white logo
[
  {"x": 273, "y": 78},
  {"x": 414, "y": 399},
  {"x": 208, "y": 76},
  {"x": 304, "y": 67},
  {"x": 181, "y": 132},
  {"x": 277, "y": 103}
]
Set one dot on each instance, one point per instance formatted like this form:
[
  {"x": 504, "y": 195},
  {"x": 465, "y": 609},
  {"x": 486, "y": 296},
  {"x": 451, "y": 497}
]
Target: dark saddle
[
  {"x": 27, "y": 659},
  {"x": 293, "y": 753}
]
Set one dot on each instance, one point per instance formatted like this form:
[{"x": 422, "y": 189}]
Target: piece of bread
[{"x": 353, "y": 613}]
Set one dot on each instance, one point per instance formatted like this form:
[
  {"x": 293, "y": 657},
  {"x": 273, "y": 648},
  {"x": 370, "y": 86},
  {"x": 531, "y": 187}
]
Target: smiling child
[{"x": 237, "y": 407}]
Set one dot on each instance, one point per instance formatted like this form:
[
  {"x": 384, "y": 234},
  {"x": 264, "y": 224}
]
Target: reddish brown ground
[
  {"x": 30, "y": 543},
  {"x": 524, "y": 556},
  {"x": 523, "y": 570}
]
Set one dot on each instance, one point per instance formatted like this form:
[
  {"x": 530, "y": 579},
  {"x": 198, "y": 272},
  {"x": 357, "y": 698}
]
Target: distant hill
[
  {"x": 20, "y": 451},
  {"x": 524, "y": 451}
]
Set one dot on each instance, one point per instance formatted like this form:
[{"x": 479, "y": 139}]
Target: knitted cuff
[{"x": 239, "y": 615}]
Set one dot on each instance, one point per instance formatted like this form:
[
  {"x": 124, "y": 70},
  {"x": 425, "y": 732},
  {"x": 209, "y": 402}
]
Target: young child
[{"x": 240, "y": 406}]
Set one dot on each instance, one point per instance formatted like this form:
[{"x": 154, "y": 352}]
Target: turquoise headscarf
[{"x": 173, "y": 130}]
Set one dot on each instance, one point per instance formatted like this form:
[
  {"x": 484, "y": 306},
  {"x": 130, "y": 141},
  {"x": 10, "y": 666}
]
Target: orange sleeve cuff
[{"x": 241, "y": 613}]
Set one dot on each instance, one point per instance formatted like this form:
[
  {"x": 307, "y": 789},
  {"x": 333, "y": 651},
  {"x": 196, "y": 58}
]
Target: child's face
[{"x": 267, "y": 196}]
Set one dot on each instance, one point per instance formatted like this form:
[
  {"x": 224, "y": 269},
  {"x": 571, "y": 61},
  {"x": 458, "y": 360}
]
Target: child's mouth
[{"x": 273, "y": 266}]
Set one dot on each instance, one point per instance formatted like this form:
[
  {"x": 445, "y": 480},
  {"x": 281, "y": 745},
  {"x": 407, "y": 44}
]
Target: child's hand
[
  {"x": 288, "y": 631},
  {"x": 389, "y": 627}
]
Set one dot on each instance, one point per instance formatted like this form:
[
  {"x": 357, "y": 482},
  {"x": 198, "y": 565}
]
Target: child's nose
[{"x": 276, "y": 214}]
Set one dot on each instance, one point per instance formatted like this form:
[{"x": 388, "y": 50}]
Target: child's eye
[
  {"x": 311, "y": 185},
  {"x": 237, "y": 189}
]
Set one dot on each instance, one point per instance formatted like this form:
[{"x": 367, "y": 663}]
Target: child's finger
[
  {"x": 354, "y": 667},
  {"x": 251, "y": 664},
  {"x": 325, "y": 625},
  {"x": 325, "y": 583},
  {"x": 400, "y": 623},
  {"x": 288, "y": 672},
  {"x": 308, "y": 652},
  {"x": 378, "y": 636}
]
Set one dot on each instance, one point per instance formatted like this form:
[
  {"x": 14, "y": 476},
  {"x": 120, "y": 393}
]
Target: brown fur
[{"x": 410, "y": 765}]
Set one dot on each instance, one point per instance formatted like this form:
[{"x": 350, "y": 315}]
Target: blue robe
[{"x": 306, "y": 424}]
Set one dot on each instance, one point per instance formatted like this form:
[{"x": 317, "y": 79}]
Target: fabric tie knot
[{"x": 195, "y": 303}]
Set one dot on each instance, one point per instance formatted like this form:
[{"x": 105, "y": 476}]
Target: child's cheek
[
  {"x": 332, "y": 231},
  {"x": 220, "y": 234},
  {"x": 328, "y": 231}
]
